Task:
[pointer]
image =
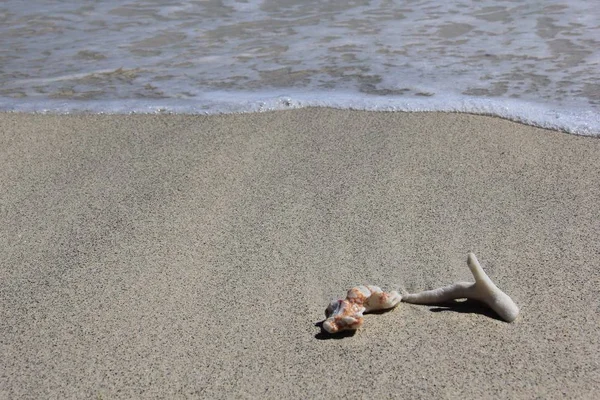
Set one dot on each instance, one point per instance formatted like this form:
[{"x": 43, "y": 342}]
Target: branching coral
[{"x": 483, "y": 289}]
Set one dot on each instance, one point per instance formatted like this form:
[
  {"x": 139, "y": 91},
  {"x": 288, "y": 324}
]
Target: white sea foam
[{"x": 534, "y": 62}]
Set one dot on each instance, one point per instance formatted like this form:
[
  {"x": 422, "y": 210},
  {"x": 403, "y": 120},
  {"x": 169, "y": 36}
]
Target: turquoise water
[{"x": 537, "y": 62}]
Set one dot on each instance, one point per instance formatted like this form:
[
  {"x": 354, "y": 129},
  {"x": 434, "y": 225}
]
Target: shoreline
[
  {"x": 581, "y": 123},
  {"x": 183, "y": 255}
]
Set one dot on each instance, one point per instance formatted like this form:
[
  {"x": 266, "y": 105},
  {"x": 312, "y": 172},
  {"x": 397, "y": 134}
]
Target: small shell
[{"x": 347, "y": 314}]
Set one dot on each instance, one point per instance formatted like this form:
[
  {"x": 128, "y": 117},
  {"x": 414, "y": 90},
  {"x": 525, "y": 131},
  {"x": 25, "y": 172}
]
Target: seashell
[{"x": 347, "y": 314}]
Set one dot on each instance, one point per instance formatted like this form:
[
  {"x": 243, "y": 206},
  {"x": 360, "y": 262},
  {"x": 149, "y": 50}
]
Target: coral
[{"x": 483, "y": 290}]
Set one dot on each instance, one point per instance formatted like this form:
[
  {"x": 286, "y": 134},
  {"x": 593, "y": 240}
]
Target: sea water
[{"x": 536, "y": 62}]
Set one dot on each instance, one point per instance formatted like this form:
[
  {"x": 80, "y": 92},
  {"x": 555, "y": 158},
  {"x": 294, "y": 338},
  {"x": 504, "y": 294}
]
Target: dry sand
[{"x": 192, "y": 256}]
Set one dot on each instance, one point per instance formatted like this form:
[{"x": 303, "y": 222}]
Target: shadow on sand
[{"x": 465, "y": 307}]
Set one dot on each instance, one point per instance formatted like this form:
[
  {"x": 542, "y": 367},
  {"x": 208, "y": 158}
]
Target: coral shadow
[{"x": 466, "y": 307}]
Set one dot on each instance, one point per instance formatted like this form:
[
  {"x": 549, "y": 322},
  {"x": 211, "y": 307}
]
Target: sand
[{"x": 157, "y": 256}]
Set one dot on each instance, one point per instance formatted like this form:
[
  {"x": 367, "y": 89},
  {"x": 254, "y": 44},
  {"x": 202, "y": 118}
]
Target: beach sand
[{"x": 172, "y": 256}]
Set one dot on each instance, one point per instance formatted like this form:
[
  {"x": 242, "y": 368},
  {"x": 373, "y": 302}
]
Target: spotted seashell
[{"x": 347, "y": 314}]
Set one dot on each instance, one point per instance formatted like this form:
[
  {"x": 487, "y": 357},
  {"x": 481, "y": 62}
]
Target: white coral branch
[{"x": 483, "y": 289}]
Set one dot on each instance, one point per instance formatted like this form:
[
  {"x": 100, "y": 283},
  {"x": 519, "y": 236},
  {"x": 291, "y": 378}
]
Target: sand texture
[{"x": 191, "y": 257}]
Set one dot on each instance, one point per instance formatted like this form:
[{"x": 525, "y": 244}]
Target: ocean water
[{"x": 536, "y": 62}]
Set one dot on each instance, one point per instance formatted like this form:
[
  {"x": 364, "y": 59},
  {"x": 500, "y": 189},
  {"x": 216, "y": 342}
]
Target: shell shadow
[{"x": 324, "y": 335}]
